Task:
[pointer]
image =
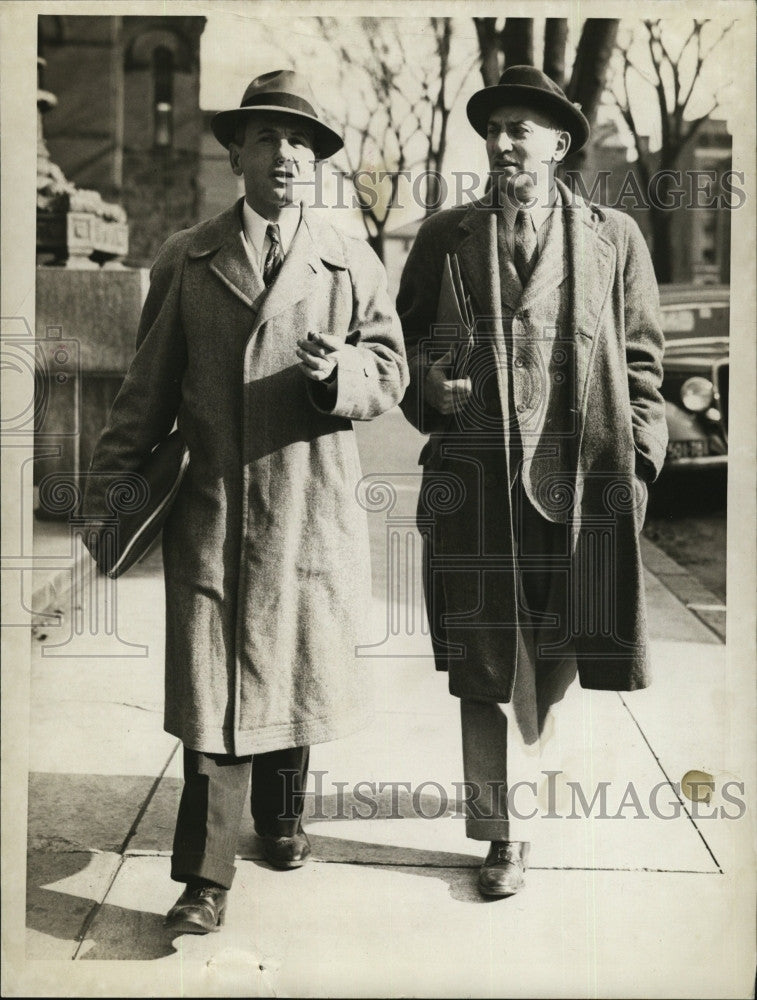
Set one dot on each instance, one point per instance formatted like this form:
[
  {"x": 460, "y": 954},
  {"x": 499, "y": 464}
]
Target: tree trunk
[
  {"x": 662, "y": 246},
  {"x": 431, "y": 195},
  {"x": 595, "y": 48},
  {"x": 377, "y": 243},
  {"x": 587, "y": 81},
  {"x": 555, "y": 39},
  {"x": 518, "y": 41},
  {"x": 489, "y": 47}
]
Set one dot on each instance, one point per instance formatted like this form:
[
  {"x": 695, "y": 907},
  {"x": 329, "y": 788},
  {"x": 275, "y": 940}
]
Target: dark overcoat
[
  {"x": 266, "y": 556},
  {"x": 586, "y": 348}
]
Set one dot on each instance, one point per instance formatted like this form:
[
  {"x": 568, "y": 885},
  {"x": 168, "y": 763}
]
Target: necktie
[
  {"x": 274, "y": 258},
  {"x": 524, "y": 251}
]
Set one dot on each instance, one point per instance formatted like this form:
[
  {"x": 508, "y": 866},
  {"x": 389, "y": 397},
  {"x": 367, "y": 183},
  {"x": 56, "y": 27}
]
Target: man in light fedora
[
  {"x": 265, "y": 333},
  {"x": 546, "y": 426}
]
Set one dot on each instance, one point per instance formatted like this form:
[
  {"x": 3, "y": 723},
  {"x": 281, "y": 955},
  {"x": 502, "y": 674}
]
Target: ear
[
  {"x": 562, "y": 146},
  {"x": 234, "y": 158}
]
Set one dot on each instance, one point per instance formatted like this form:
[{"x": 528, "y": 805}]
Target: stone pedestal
[
  {"x": 85, "y": 335},
  {"x": 81, "y": 239}
]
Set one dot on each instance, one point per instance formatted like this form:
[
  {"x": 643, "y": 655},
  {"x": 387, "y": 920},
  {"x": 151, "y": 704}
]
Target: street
[{"x": 687, "y": 520}]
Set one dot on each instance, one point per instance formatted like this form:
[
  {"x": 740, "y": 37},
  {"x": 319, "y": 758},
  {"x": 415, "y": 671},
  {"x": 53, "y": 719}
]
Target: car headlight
[{"x": 697, "y": 394}]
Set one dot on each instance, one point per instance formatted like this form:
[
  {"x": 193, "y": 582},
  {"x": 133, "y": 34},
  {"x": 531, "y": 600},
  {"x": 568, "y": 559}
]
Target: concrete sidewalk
[{"x": 632, "y": 907}]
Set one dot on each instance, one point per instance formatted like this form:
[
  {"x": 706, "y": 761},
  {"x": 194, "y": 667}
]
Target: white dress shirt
[{"x": 255, "y": 229}]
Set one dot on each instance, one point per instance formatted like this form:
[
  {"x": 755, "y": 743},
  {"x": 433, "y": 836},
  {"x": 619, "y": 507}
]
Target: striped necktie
[{"x": 274, "y": 258}]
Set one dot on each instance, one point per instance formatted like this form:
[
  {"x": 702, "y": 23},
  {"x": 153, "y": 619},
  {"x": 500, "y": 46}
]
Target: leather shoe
[
  {"x": 503, "y": 869},
  {"x": 286, "y": 852},
  {"x": 199, "y": 909}
]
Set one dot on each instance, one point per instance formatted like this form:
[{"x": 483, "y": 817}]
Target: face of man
[
  {"x": 523, "y": 146},
  {"x": 276, "y": 159}
]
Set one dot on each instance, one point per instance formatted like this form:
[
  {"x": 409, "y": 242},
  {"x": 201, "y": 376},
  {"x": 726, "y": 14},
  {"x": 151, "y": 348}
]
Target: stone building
[{"x": 128, "y": 122}]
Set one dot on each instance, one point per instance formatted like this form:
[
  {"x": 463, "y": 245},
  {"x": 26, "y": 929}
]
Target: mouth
[
  {"x": 504, "y": 164},
  {"x": 282, "y": 176}
]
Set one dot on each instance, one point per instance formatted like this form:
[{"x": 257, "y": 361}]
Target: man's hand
[
  {"x": 317, "y": 354},
  {"x": 444, "y": 394}
]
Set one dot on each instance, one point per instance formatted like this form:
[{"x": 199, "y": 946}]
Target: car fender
[{"x": 682, "y": 425}]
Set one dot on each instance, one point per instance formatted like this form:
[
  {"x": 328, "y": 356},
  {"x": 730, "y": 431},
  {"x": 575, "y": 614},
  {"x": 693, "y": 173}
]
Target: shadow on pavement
[
  {"x": 86, "y": 812},
  {"x": 61, "y": 914}
]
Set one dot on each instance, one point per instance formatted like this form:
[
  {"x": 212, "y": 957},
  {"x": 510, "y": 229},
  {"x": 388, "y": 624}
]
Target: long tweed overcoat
[
  {"x": 586, "y": 370},
  {"x": 265, "y": 550}
]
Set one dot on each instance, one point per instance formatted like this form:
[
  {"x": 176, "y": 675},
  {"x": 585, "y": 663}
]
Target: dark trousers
[{"x": 213, "y": 799}]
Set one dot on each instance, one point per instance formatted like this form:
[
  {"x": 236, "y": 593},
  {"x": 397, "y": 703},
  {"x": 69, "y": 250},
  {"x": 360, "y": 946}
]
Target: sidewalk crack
[
  {"x": 92, "y": 915},
  {"x": 667, "y": 778}
]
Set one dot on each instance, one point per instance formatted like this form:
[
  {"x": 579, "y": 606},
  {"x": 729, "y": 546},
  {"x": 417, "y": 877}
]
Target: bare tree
[
  {"x": 490, "y": 47},
  {"x": 589, "y": 75},
  {"x": 555, "y": 42},
  {"x": 376, "y": 120},
  {"x": 440, "y": 90},
  {"x": 518, "y": 41},
  {"x": 509, "y": 44},
  {"x": 593, "y": 53},
  {"x": 513, "y": 44},
  {"x": 396, "y": 115},
  {"x": 673, "y": 78}
]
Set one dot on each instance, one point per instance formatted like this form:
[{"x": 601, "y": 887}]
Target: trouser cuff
[
  {"x": 187, "y": 866},
  {"x": 477, "y": 829}
]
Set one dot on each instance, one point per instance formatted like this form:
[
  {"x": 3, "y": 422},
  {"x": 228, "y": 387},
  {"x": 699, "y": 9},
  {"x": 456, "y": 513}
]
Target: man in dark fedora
[
  {"x": 546, "y": 426},
  {"x": 265, "y": 332}
]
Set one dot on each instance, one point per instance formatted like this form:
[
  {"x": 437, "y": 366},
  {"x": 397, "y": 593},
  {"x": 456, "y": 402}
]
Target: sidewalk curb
[
  {"x": 52, "y": 600},
  {"x": 694, "y": 596}
]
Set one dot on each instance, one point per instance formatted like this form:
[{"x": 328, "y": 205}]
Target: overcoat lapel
[
  {"x": 296, "y": 280},
  {"x": 298, "y": 275},
  {"x": 235, "y": 269},
  {"x": 479, "y": 263},
  {"x": 591, "y": 263},
  {"x": 223, "y": 241},
  {"x": 477, "y": 255}
]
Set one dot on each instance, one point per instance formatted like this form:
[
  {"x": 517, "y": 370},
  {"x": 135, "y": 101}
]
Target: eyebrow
[
  {"x": 272, "y": 130},
  {"x": 519, "y": 121}
]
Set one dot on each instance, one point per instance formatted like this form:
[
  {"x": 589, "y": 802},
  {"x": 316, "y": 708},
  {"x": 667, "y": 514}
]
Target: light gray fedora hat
[{"x": 284, "y": 92}]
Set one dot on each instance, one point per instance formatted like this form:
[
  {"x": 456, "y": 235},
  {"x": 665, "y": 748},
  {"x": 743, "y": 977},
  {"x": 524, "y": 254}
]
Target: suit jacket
[
  {"x": 586, "y": 348},
  {"x": 265, "y": 550}
]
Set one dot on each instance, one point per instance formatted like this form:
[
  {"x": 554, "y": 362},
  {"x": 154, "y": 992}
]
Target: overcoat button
[{"x": 522, "y": 407}]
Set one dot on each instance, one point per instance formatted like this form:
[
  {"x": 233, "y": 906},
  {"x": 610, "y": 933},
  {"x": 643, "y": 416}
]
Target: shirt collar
[
  {"x": 255, "y": 227},
  {"x": 539, "y": 212}
]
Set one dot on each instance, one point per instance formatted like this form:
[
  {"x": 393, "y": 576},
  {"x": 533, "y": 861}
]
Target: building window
[{"x": 162, "y": 65}]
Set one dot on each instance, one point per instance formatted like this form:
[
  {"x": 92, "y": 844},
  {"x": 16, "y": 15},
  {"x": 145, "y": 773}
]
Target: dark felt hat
[
  {"x": 528, "y": 86},
  {"x": 287, "y": 93}
]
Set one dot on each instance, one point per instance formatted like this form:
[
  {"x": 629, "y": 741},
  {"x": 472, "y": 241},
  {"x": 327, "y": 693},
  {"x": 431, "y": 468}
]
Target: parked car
[{"x": 695, "y": 383}]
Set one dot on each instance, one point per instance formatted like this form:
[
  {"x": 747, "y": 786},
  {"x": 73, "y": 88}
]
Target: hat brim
[
  {"x": 565, "y": 114},
  {"x": 225, "y": 123}
]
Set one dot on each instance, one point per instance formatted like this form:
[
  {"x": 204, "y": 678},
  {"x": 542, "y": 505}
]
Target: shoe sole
[
  {"x": 496, "y": 894},
  {"x": 187, "y": 927},
  {"x": 184, "y": 926},
  {"x": 288, "y": 866}
]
